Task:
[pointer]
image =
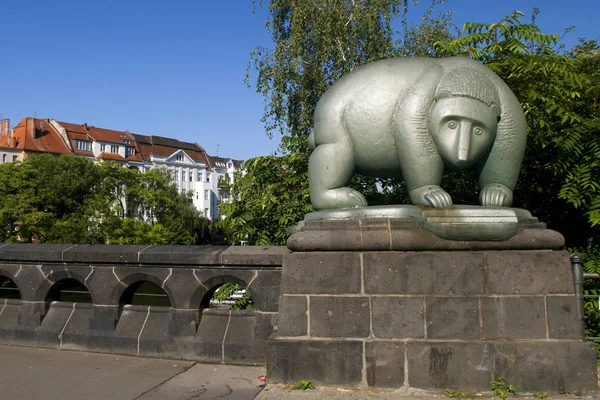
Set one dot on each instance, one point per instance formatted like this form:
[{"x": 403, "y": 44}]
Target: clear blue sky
[{"x": 175, "y": 68}]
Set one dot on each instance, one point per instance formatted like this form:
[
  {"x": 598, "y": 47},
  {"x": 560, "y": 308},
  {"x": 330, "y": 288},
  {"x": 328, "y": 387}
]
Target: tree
[
  {"x": 70, "y": 199},
  {"x": 316, "y": 43}
]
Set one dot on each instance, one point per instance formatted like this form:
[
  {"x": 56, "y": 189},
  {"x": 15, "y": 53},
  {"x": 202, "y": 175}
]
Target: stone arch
[
  {"x": 8, "y": 287},
  {"x": 202, "y": 295},
  {"x": 53, "y": 278},
  {"x": 130, "y": 280}
]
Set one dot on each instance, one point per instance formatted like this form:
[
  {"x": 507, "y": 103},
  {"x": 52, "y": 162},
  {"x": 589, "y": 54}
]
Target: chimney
[
  {"x": 85, "y": 126},
  {"x": 30, "y": 127},
  {"x": 4, "y": 126}
]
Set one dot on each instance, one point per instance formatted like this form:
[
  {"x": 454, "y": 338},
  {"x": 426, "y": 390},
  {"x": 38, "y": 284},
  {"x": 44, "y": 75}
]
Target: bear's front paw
[
  {"x": 343, "y": 197},
  {"x": 431, "y": 195},
  {"x": 496, "y": 195}
]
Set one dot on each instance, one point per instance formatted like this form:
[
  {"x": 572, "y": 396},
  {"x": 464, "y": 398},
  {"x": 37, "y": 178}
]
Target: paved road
[{"x": 33, "y": 373}]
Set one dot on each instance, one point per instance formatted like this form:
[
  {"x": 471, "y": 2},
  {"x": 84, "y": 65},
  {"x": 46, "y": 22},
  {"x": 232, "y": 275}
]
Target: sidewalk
[{"x": 33, "y": 373}]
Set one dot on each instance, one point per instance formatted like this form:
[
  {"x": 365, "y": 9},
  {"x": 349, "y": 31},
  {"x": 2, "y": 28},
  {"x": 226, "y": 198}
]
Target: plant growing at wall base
[
  {"x": 459, "y": 395},
  {"x": 304, "y": 385},
  {"x": 501, "y": 390}
]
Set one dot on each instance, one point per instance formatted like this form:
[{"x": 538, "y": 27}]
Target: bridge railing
[{"x": 141, "y": 300}]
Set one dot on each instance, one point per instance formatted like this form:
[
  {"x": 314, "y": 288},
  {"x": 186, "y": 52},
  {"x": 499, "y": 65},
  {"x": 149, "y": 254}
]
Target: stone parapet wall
[
  {"x": 188, "y": 329},
  {"x": 432, "y": 320}
]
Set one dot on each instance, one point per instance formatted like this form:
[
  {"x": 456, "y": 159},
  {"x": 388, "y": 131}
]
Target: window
[
  {"x": 197, "y": 196},
  {"x": 199, "y": 176},
  {"x": 207, "y": 177},
  {"x": 102, "y": 148},
  {"x": 114, "y": 149},
  {"x": 206, "y": 195},
  {"x": 14, "y": 158},
  {"x": 3, "y": 158},
  {"x": 179, "y": 157},
  {"x": 82, "y": 145},
  {"x": 129, "y": 151},
  {"x": 176, "y": 176},
  {"x": 206, "y": 212},
  {"x": 191, "y": 176}
]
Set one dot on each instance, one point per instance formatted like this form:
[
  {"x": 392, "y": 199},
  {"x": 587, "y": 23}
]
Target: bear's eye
[
  {"x": 478, "y": 131},
  {"x": 452, "y": 124}
]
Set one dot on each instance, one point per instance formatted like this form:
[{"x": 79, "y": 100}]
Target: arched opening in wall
[
  {"x": 8, "y": 288},
  {"x": 145, "y": 293},
  {"x": 229, "y": 296},
  {"x": 69, "y": 290}
]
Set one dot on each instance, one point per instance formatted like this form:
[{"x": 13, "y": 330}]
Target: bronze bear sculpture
[{"x": 411, "y": 118}]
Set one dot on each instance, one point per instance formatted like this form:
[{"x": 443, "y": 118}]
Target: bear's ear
[
  {"x": 442, "y": 94},
  {"x": 496, "y": 110}
]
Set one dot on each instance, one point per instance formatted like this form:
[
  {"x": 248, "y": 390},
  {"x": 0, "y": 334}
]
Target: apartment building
[{"x": 192, "y": 169}]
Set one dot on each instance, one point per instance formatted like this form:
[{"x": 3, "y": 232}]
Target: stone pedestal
[{"x": 396, "y": 307}]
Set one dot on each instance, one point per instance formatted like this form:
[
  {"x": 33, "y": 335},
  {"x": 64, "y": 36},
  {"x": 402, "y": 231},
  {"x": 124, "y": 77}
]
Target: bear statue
[{"x": 412, "y": 118}]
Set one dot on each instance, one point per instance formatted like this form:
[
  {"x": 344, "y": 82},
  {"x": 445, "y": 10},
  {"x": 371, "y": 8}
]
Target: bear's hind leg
[{"x": 330, "y": 167}]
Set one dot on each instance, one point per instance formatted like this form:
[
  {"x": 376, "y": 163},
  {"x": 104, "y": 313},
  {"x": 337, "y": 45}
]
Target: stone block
[
  {"x": 563, "y": 318},
  {"x": 184, "y": 322},
  {"x": 293, "y": 318},
  {"x": 181, "y": 285},
  {"x": 375, "y": 234},
  {"x": 385, "y": 364},
  {"x": 31, "y": 314},
  {"x": 264, "y": 328},
  {"x": 398, "y": 273},
  {"x": 321, "y": 273},
  {"x": 449, "y": 365},
  {"x": 103, "y": 253},
  {"x": 323, "y": 362},
  {"x": 254, "y": 255},
  {"x": 459, "y": 273},
  {"x": 513, "y": 317},
  {"x": 104, "y": 318},
  {"x": 347, "y": 317},
  {"x": 265, "y": 289},
  {"x": 398, "y": 317},
  {"x": 104, "y": 286},
  {"x": 33, "y": 252},
  {"x": 155, "y": 331},
  {"x": 239, "y": 343},
  {"x": 182, "y": 255},
  {"x": 77, "y": 332},
  {"x": 9, "y": 312},
  {"x": 54, "y": 322},
  {"x": 208, "y": 342},
  {"x": 127, "y": 333},
  {"x": 330, "y": 235},
  {"x": 529, "y": 272},
  {"x": 567, "y": 367},
  {"x": 452, "y": 317},
  {"x": 30, "y": 279}
]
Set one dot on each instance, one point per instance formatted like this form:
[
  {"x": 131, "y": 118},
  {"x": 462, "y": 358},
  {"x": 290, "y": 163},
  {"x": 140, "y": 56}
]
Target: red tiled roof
[
  {"x": 111, "y": 156},
  {"x": 33, "y": 134},
  {"x": 99, "y": 134}
]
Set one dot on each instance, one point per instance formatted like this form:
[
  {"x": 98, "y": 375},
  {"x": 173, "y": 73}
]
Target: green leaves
[{"x": 71, "y": 199}]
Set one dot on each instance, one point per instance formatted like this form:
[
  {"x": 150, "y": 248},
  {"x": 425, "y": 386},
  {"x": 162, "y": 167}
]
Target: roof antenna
[{"x": 217, "y": 145}]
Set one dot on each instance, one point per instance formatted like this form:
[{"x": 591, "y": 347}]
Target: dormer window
[
  {"x": 82, "y": 145},
  {"x": 114, "y": 149},
  {"x": 129, "y": 151},
  {"x": 102, "y": 148},
  {"x": 179, "y": 157}
]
